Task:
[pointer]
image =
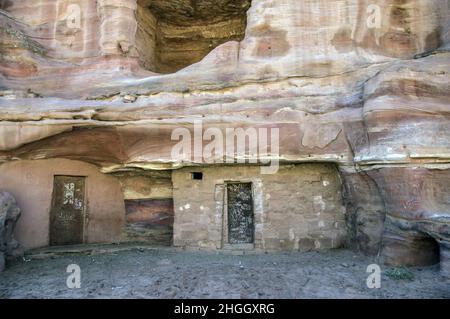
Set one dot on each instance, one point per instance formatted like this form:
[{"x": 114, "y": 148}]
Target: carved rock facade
[{"x": 363, "y": 85}]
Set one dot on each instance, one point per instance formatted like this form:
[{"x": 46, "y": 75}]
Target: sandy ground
[{"x": 167, "y": 273}]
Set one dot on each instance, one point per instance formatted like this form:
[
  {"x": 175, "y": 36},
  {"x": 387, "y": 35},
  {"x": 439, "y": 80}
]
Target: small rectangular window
[{"x": 198, "y": 176}]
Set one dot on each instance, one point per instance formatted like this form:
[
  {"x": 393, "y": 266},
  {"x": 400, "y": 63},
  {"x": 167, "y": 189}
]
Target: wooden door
[{"x": 68, "y": 210}]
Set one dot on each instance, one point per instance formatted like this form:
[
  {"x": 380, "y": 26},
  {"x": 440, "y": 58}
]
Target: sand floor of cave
[{"x": 170, "y": 273}]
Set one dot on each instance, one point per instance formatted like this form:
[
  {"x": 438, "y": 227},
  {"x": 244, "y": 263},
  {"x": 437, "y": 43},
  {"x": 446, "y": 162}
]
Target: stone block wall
[{"x": 299, "y": 208}]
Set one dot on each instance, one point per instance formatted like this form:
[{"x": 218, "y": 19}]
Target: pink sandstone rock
[{"x": 371, "y": 96}]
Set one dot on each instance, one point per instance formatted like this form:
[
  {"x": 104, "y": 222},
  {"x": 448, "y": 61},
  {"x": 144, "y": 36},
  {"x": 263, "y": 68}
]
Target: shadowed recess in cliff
[{"x": 173, "y": 34}]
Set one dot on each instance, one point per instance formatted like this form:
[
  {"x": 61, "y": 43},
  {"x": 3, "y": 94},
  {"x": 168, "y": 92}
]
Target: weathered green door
[
  {"x": 67, "y": 212},
  {"x": 240, "y": 213}
]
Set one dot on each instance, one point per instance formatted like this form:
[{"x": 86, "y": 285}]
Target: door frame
[
  {"x": 85, "y": 204},
  {"x": 225, "y": 224}
]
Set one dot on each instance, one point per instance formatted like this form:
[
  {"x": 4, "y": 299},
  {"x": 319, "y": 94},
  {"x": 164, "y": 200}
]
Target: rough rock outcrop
[
  {"x": 363, "y": 84},
  {"x": 9, "y": 214},
  {"x": 417, "y": 226}
]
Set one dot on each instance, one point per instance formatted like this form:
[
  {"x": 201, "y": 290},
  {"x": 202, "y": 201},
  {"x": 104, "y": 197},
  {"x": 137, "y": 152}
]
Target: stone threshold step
[{"x": 90, "y": 249}]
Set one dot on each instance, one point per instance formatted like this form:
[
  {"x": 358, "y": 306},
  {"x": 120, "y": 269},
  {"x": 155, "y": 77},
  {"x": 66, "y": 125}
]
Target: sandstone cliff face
[{"x": 363, "y": 84}]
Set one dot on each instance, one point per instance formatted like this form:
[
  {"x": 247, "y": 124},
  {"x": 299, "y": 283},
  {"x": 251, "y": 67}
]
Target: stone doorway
[
  {"x": 241, "y": 225},
  {"x": 67, "y": 215}
]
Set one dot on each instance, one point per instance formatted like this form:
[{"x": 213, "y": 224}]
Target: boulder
[{"x": 9, "y": 214}]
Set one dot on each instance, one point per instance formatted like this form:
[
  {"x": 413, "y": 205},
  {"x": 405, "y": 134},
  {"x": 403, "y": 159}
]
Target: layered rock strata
[{"x": 362, "y": 84}]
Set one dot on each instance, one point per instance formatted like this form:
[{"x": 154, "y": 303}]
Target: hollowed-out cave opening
[
  {"x": 173, "y": 34},
  {"x": 428, "y": 250}
]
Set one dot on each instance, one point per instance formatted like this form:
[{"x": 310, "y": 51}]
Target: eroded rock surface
[{"x": 372, "y": 98}]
